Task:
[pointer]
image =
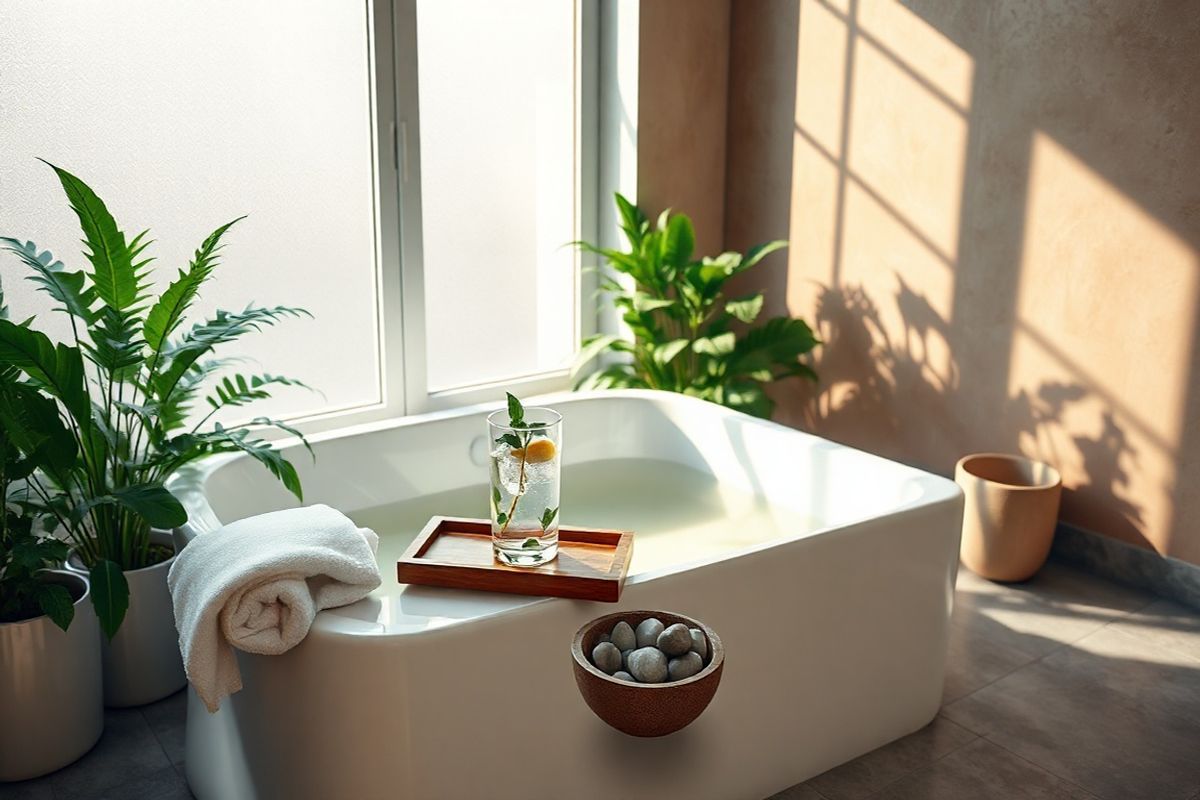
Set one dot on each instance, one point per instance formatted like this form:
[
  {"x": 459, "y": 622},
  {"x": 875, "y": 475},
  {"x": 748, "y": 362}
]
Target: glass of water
[{"x": 526, "y": 466}]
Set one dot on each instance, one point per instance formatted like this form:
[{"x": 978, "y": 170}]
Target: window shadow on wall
[
  {"x": 901, "y": 377},
  {"x": 887, "y": 392}
]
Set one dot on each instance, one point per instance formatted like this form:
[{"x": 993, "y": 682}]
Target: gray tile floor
[{"x": 1064, "y": 687}]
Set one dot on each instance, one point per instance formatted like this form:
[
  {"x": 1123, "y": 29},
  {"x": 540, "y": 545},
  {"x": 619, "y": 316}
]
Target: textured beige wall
[
  {"x": 994, "y": 211},
  {"x": 683, "y": 66}
]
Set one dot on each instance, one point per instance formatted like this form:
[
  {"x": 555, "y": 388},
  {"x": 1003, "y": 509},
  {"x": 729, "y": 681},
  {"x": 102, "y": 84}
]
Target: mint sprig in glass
[{"x": 526, "y": 468}]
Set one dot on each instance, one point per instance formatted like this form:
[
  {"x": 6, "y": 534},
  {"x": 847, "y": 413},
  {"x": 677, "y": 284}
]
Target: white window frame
[{"x": 605, "y": 161}]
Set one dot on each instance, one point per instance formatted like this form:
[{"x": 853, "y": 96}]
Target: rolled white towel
[{"x": 256, "y": 584}]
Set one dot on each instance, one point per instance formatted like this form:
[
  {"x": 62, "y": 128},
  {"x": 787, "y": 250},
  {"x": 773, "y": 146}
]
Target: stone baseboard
[{"x": 1125, "y": 563}]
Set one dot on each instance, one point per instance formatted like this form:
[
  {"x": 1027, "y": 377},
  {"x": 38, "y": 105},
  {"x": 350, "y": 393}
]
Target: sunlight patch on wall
[
  {"x": 908, "y": 146},
  {"x": 948, "y": 69},
  {"x": 812, "y": 228},
  {"x": 1105, "y": 330},
  {"x": 822, "y": 52}
]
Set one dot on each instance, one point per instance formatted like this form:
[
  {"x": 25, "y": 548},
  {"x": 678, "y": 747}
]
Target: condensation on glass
[
  {"x": 185, "y": 115},
  {"x": 498, "y": 111}
]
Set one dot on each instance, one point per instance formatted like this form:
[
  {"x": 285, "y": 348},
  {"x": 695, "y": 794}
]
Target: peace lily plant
[
  {"x": 688, "y": 336},
  {"x": 119, "y": 408}
]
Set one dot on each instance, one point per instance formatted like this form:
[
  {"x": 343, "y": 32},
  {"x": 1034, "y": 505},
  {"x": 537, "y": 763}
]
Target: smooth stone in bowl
[
  {"x": 623, "y": 675},
  {"x": 648, "y": 665},
  {"x": 685, "y": 666},
  {"x": 625, "y": 658},
  {"x": 675, "y": 640},
  {"x": 623, "y": 636},
  {"x": 606, "y": 657},
  {"x": 648, "y": 631},
  {"x": 645, "y": 709},
  {"x": 699, "y": 643}
]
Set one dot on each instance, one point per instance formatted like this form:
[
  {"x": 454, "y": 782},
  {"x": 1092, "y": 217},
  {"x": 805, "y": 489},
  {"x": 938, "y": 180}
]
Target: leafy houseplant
[
  {"x": 123, "y": 391},
  {"x": 686, "y": 334},
  {"x": 24, "y": 554},
  {"x": 50, "y": 685}
]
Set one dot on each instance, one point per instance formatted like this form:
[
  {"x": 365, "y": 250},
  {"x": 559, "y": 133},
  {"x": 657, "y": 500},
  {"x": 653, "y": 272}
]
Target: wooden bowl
[{"x": 645, "y": 709}]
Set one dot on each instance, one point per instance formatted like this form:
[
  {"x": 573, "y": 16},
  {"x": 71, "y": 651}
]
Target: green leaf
[
  {"x": 548, "y": 517},
  {"x": 746, "y": 309},
  {"x": 644, "y": 302},
  {"x": 719, "y": 345},
  {"x": 56, "y": 369},
  {"x": 665, "y": 353},
  {"x": 501, "y": 518},
  {"x": 116, "y": 347},
  {"x": 622, "y": 262},
  {"x": 187, "y": 447},
  {"x": 516, "y": 412},
  {"x": 56, "y": 603},
  {"x": 153, "y": 503},
  {"x": 749, "y": 398},
  {"x": 511, "y": 440},
  {"x": 224, "y": 327},
  {"x": 32, "y": 424},
  {"x": 777, "y": 342},
  {"x": 593, "y": 346},
  {"x": 530, "y": 544},
  {"x": 51, "y": 277},
  {"x": 150, "y": 501},
  {"x": 119, "y": 282},
  {"x": 618, "y": 376},
  {"x": 167, "y": 313},
  {"x": 238, "y": 390},
  {"x": 678, "y": 241},
  {"x": 110, "y": 595},
  {"x": 759, "y": 252},
  {"x": 496, "y": 497},
  {"x": 633, "y": 221}
]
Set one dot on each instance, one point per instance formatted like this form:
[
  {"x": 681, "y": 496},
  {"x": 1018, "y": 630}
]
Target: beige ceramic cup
[{"x": 1010, "y": 511}]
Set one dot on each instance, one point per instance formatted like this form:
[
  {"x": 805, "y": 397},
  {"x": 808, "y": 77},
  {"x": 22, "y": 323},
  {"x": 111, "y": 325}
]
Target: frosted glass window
[
  {"x": 184, "y": 115},
  {"x": 498, "y": 112}
]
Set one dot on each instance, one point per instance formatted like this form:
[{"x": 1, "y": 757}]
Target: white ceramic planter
[
  {"x": 51, "y": 698},
  {"x": 142, "y": 662}
]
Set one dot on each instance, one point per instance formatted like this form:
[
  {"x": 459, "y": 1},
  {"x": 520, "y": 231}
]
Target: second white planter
[
  {"x": 50, "y": 698},
  {"x": 142, "y": 662}
]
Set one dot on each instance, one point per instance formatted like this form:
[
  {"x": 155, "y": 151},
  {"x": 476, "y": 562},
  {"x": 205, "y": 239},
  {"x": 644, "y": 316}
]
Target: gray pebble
[
  {"x": 675, "y": 640},
  {"x": 648, "y": 631},
  {"x": 623, "y": 676},
  {"x": 685, "y": 666},
  {"x": 606, "y": 657},
  {"x": 623, "y": 636},
  {"x": 648, "y": 665},
  {"x": 699, "y": 643},
  {"x": 625, "y": 658}
]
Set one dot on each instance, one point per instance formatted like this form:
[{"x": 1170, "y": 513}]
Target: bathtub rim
[{"x": 188, "y": 486}]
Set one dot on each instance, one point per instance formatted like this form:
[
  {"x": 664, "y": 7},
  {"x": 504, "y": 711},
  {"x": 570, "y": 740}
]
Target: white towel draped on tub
[{"x": 256, "y": 585}]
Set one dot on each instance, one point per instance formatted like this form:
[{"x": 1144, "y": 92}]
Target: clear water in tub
[{"x": 679, "y": 514}]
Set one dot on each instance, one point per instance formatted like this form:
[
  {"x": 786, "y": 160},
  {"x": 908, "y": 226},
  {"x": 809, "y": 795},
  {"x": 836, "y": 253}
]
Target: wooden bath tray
[{"x": 456, "y": 553}]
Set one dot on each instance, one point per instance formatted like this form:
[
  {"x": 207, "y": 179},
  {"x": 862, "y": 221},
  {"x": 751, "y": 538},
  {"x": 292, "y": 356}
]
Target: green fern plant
[
  {"x": 123, "y": 393},
  {"x": 687, "y": 335}
]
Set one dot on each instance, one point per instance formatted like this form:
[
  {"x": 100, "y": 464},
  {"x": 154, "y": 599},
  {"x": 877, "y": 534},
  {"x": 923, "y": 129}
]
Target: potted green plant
[
  {"x": 687, "y": 335},
  {"x": 126, "y": 389},
  {"x": 50, "y": 689}
]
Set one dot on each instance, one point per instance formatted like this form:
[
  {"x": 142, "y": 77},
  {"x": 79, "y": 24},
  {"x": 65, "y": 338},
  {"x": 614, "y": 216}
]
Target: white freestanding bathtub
[{"x": 828, "y": 573}]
